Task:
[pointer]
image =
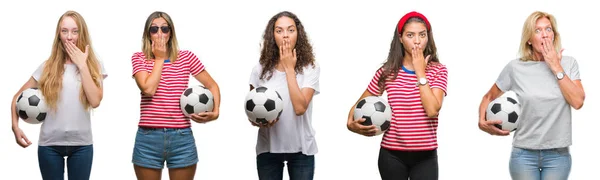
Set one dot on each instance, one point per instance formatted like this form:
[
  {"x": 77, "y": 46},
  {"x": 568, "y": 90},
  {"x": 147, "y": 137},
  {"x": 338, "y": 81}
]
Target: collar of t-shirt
[{"x": 404, "y": 69}]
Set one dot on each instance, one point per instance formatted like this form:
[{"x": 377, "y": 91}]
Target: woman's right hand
[
  {"x": 21, "y": 138},
  {"x": 356, "y": 127},
  {"x": 159, "y": 48},
  {"x": 488, "y": 126},
  {"x": 264, "y": 125}
]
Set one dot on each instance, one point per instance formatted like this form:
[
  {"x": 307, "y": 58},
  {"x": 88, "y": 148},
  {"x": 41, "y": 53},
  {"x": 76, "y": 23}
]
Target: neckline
[{"x": 407, "y": 71}]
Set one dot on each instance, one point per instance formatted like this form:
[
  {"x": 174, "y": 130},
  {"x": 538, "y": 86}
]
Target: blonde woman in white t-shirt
[
  {"x": 71, "y": 82},
  {"x": 287, "y": 65}
]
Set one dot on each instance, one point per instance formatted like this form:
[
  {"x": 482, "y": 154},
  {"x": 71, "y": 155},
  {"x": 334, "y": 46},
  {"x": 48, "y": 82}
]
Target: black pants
[{"x": 401, "y": 165}]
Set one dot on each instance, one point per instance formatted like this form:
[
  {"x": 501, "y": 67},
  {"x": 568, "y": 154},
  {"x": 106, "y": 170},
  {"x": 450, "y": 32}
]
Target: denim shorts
[{"x": 155, "y": 146}]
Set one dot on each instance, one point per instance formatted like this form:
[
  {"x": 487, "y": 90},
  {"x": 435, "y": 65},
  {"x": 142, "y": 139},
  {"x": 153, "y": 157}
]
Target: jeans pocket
[
  {"x": 185, "y": 131},
  {"x": 516, "y": 152},
  {"x": 144, "y": 131},
  {"x": 563, "y": 151}
]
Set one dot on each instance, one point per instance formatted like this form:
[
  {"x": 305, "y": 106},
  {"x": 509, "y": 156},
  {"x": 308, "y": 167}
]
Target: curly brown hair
[
  {"x": 269, "y": 55},
  {"x": 396, "y": 55}
]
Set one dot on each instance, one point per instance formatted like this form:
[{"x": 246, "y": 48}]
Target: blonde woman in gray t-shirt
[
  {"x": 71, "y": 82},
  {"x": 548, "y": 86}
]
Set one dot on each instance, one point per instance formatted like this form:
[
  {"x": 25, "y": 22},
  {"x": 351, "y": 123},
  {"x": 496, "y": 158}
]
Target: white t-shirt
[
  {"x": 291, "y": 134},
  {"x": 70, "y": 124}
]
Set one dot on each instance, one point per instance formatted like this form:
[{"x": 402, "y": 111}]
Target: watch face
[
  {"x": 422, "y": 81},
  {"x": 560, "y": 75}
]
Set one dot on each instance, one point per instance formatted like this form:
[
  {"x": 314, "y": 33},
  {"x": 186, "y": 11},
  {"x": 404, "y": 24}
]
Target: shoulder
[
  {"x": 138, "y": 56},
  {"x": 569, "y": 59},
  {"x": 257, "y": 68},
  {"x": 437, "y": 67},
  {"x": 313, "y": 67},
  {"x": 185, "y": 54}
]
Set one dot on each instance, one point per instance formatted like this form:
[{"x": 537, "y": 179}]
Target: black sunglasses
[{"x": 164, "y": 29}]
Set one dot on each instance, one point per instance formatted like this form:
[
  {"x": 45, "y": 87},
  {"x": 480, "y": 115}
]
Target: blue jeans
[
  {"x": 540, "y": 164},
  {"x": 52, "y": 162},
  {"x": 300, "y": 166},
  {"x": 155, "y": 146}
]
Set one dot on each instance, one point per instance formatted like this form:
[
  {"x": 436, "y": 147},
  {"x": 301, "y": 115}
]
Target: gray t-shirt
[
  {"x": 545, "y": 120},
  {"x": 70, "y": 124}
]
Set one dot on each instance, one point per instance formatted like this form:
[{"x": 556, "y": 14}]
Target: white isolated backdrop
[{"x": 350, "y": 40}]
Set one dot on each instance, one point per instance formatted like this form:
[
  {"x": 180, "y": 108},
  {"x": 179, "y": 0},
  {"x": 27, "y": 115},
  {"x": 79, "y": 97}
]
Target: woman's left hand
[
  {"x": 79, "y": 58},
  {"x": 205, "y": 117},
  {"x": 418, "y": 59},
  {"x": 551, "y": 57}
]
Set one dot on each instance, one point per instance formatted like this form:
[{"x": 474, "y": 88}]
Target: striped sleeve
[
  {"x": 195, "y": 65},
  {"x": 137, "y": 63},
  {"x": 441, "y": 79},
  {"x": 373, "y": 87}
]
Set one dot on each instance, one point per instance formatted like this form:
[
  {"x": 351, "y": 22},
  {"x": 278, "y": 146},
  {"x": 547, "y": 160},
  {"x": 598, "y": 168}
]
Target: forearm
[
  {"x": 13, "y": 112},
  {"x": 93, "y": 92},
  {"x": 482, "y": 107},
  {"x": 149, "y": 84},
  {"x": 298, "y": 100},
  {"x": 428, "y": 100},
  {"x": 572, "y": 93},
  {"x": 214, "y": 89}
]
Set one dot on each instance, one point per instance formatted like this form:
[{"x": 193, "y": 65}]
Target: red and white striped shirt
[
  {"x": 411, "y": 129},
  {"x": 162, "y": 110}
]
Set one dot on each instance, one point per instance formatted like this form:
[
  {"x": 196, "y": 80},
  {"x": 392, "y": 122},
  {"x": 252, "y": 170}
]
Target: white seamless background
[{"x": 475, "y": 39}]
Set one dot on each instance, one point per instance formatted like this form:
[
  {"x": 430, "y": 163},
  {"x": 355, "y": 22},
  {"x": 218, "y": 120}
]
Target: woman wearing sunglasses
[{"x": 162, "y": 72}]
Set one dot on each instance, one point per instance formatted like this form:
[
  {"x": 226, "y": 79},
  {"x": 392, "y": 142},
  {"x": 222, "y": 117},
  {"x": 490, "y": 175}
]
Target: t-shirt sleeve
[
  {"x": 195, "y": 65},
  {"x": 373, "y": 88},
  {"x": 255, "y": 76},
  {"x": 103, "y": 70},
  {"x": 311, "y": 78},
  {"x": 138, "y": 63},
  {"x": 504, "y": 81},
  {"x": 441, "y": 79},
  {"x": 37, "y": 74},
  {"x": 574, "y": 72}
]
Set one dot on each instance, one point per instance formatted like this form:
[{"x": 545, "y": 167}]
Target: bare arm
[
  {"x": 488, "y": 126},
  {"x": 354, "y": 125},
  {"x": 205, "y": 78},
  {"x": 92, "y": 92},
  {"x": 300, "y": 97},
  {"x": 208, "y": 82},
  {"x": 148, "y": 82},
  {"x": 430, "y": 98},
  {"x": 572, "y": 91},
  {"x": 19, "y": 135}
]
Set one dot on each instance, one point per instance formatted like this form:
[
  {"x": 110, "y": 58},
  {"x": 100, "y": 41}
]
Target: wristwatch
[
  {"x": 560, "y": 75},
  {"x": 422, "y": 81}
]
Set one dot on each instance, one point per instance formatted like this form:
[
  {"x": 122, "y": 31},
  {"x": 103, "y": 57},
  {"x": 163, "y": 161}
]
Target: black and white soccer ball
[
  {"x": 263, "y": 105},
  {"x": 376, "y": 111},
  {"x": 31, "y": 106},
  {"x": 506, "y": 108},
  {"x": 196, "y": 99}
]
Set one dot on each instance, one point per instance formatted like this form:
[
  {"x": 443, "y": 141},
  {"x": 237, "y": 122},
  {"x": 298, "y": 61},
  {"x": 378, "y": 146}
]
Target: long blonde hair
[
  {"x": 52, "y": 76},
  {"x": 526, "y": 50},
  {"x": 172, "y": 45}
]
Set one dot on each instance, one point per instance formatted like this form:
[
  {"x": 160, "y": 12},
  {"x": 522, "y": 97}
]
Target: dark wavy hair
[
  {"x": 396, "y": 55},
  {"x": 269, "y": 55}
]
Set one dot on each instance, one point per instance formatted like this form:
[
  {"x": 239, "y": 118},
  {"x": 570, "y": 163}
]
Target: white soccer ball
[
  {"x": 31, "y": 106},
  {"x": 506, "y": 108},
  {"x": 376, "y": 111},
  {"x": 196, "y": 99},
  {"x": 263, "y": 105}
]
